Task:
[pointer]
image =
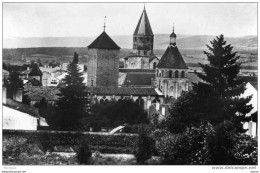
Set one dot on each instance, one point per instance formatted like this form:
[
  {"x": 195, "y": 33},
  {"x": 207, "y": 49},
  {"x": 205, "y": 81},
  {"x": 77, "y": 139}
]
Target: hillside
[{"x": 161, "y": 41}]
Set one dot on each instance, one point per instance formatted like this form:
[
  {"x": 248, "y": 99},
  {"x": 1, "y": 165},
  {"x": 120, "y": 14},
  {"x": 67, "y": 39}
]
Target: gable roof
[
  {"x": 143, "y": 27},
  {"x": 128, "y": 70},
  {"x": 125, "y": 91},
  {"x": 139, "y": 79},
  {"x": 22, "y": 107},
  {"x": 103, "y": 41},
  {"x": 35, "y": 71},
  {"x": 172, "y": 58}
]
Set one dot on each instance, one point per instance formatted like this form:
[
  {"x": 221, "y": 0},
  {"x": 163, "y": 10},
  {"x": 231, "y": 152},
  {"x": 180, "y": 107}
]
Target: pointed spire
[
  {"x": 143, "y": 27},
  {"x": 105, "y": 23},
  {"x": 173, "y": 37}
]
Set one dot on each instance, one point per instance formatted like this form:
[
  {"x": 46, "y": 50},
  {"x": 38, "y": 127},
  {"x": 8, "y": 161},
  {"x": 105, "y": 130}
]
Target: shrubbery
[
  {"x": 144, "y": 147},
  {"x": 84, "y": 154},
  {"x": 206, "y": 145}
]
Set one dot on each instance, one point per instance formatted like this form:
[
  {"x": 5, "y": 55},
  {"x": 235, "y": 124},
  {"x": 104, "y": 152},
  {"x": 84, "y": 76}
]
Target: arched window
[
  {"x": 157, "y": 72},
  {"x": 154, "y": 66},
  {"x": 176, "y": 74},
  {"x": 170, "y": 74},
  {"x": 162, "y": 73},
  {"x": 182, "y": 74}
]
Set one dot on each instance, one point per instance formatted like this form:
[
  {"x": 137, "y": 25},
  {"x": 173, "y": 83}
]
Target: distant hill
[{"x": 161, "y": 41}]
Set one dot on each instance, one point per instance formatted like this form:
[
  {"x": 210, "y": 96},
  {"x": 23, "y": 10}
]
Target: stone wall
[
  {"x": 103, "y": 67},
  {"x": 138, "y": 63}
]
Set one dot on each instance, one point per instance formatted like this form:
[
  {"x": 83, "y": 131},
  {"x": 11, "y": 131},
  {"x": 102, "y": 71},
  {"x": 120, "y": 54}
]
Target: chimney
[
  {"x": 52, "y": 74},
  {"x": 28, "y": 68},
  {"x": 163, "y": 110}
]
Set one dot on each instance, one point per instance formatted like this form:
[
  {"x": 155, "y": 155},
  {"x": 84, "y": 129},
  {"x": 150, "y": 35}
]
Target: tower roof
[
  {"x": 103, "y": 41},
  {"x": 172, "y": 58},
  {"x": 35, "y": 71},
  {"x": 143, "y": 27}
]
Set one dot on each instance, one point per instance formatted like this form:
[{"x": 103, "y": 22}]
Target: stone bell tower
[
  {"x": 143, "y": 40},
  {"x": 172, "y": 71}
]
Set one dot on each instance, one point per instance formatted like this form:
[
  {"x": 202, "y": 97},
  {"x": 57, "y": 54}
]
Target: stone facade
[
  {"x": 172, "y": 81},
  {"x": 143, "y": 44},
  {"x": 154, "y": 63},
  {"x": 103, "y": 67},
  {"x": 138, "y": 62}
]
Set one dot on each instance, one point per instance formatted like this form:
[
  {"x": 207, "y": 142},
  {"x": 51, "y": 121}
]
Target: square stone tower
[
  {"x": 103, "y": 65},
  {"x": 143, "y": 39}
]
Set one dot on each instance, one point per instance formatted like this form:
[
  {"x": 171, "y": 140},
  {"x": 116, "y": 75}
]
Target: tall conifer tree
[
  {"x": 215, "y": 99},
  {"x": 70, "y": 106},
  {"x": 222, "y": 85}
]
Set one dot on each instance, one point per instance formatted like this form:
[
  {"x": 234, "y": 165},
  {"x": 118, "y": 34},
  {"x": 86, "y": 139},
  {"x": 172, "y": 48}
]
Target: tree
[
  {"x": 70, "y": 106},
  {"x": 144, "y": 147},
  {"x": 76, "y": 58},
  {"x": 13, "y": 84},
  {"x": 216, "y": 98}
]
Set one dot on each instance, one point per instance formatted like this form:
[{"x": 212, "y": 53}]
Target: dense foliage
[
  {"x": 113, "y": 114},
  {"x": 144, "y": 147},
  {"x": 215, "y": 99},
  {"x": 70, "y": 107},
  {"x": 205, "y": 145}
]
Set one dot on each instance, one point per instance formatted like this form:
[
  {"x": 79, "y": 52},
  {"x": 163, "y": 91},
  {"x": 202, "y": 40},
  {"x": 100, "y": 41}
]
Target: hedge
[{"x": 71, "y": 138}]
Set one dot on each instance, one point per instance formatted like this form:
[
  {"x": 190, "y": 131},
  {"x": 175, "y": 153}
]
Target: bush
[
  {"x": 144, "y": 147},
  {"x": 84, "y": 154},
  {"x": 189, "y": 147},
  {"x": 246, "y": 150}
]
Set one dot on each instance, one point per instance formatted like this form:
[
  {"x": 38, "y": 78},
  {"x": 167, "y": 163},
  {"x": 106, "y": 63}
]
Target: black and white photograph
[{"x": 165, "y": 84}]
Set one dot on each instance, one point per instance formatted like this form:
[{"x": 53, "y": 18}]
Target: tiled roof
[
  {"x": 143, "y": 27},
  {"x": 172, "y": 58},
  {"x": 50, "y": 93},
  {"x": 153, "y": 57},
  {"x": 123, "y": 70},
  {"x": 22, "y": 107},
  {"x": 139, "y": 79},
  {"x": 35, "y": 71},
  {"x": 103, "y": 41},
  {"x": 123, "y": 91},
  {"x": 251, "y": 79}
]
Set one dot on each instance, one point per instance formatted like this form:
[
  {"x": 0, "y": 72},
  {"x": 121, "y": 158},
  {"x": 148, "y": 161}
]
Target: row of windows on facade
[
  {"x": 141, "y": 52},
  {"x": 170, "y": 74},
  {"x": 148, "y": 39},
  {"x": 143, "y": 46},
  {"x": 176, "y": 86}
]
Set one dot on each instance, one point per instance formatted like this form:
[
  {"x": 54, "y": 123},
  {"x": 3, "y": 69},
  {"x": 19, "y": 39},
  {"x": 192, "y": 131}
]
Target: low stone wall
[{"x": 72, "y": 138}]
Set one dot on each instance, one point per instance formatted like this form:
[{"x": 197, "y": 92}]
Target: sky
[{"x": 87, "y": 19}]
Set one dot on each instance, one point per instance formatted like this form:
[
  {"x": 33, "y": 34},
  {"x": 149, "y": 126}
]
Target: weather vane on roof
[{"x": 105, "y": 23}]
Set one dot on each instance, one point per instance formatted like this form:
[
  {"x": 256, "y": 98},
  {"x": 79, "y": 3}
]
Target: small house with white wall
[
  {"x": 251, "y": 126},
  {"x": 18, "y": 116}
]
